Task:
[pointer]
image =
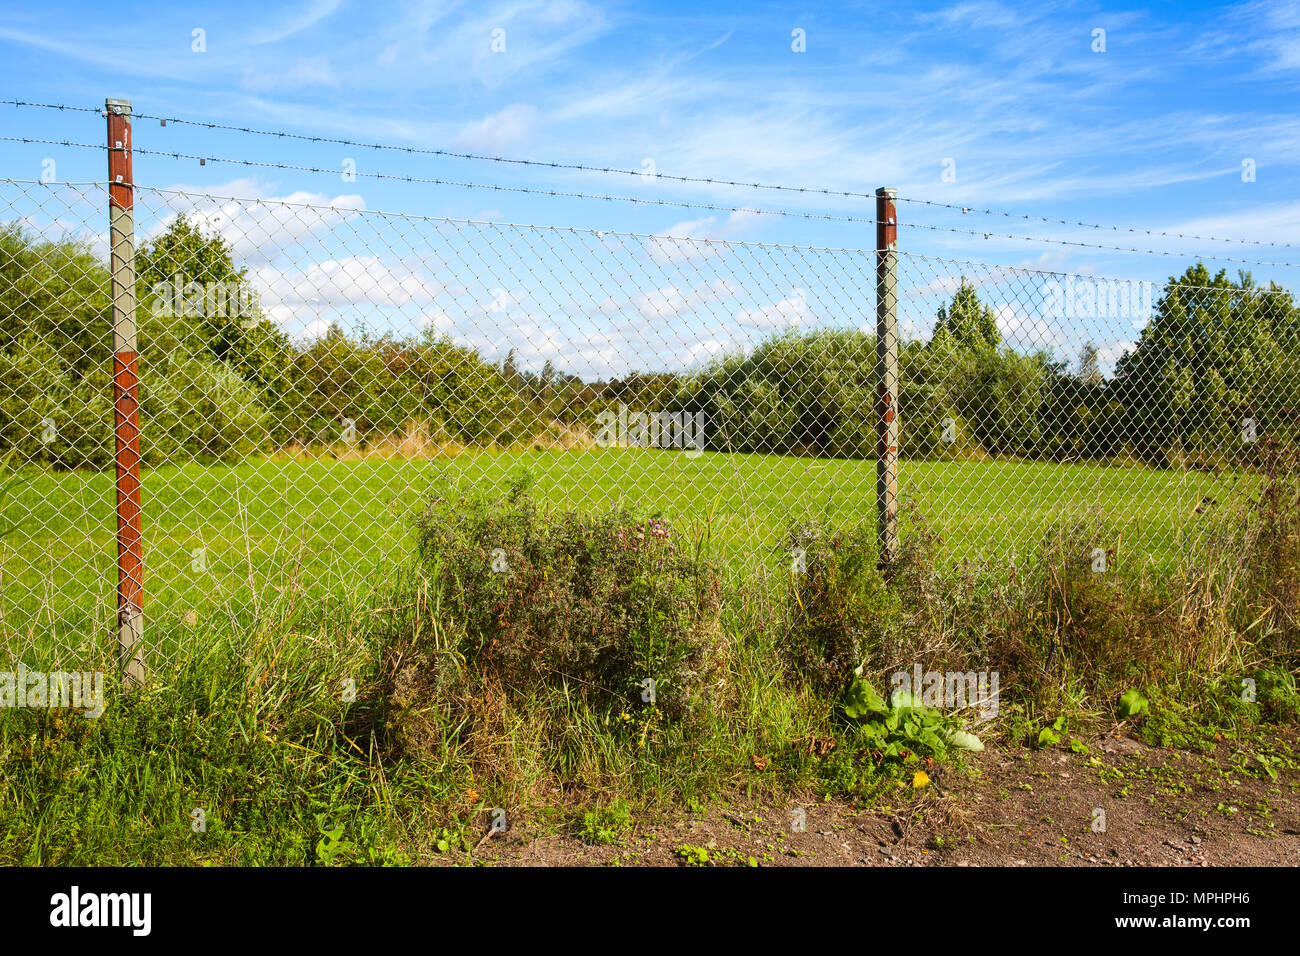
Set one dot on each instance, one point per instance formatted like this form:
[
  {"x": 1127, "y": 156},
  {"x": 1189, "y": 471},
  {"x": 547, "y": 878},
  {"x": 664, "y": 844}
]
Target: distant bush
[
  {"x": 380, "y": 385},
  {"x": 802, "y": 393},
  {"x": 47, "y": 416},
  {"x": 1214, "y": 356},
  {"x": 193, "y": 407}
]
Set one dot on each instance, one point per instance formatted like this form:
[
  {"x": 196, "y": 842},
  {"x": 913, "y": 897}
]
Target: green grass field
[
  {"x": 231, "y": 536},
  {"x": 245, "y": 712}
]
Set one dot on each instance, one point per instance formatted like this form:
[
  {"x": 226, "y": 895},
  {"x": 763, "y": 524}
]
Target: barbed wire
[
  {"x": 679, "y": 204},
  {"x": 701, "y": 180},
  {"x": 1070, "y": 222},
  {"x": 927, "y": 226},
  {"x": 1027, "y": 271},
  {"x": 52, "y": 142},
  {"x": 420, "y": 217},
  {"x": 514, "y": 161},
  {"x": 584, "y": 230},
  {"x": 495, "y": 187},
  {"x": 905, "y": 224},
  {"x": 53, "y": 106},
  {"x": 490, "y": 223}
]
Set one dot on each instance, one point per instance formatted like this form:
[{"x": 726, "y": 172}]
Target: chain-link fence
[{"x": 308, "y": 372}]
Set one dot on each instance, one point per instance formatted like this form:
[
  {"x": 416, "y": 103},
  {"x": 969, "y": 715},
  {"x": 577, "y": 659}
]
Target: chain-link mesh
[
  {"x": 1031, "y": 399},
  {"x": 309, "y": 372}
]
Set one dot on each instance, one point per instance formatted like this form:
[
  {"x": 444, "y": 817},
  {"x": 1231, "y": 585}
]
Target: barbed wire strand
[
  {"x": 599, "y": 232},
  {"x": 53, "y": 106},
  {"x": 703, "y": 180},
  {"x": 680, "y": 204},
  {"x": 496, "y": 187}
]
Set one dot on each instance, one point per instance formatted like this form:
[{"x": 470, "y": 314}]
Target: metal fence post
[
  {"x": 126, "y": 392},
  {"x": 886, "y": 374}
]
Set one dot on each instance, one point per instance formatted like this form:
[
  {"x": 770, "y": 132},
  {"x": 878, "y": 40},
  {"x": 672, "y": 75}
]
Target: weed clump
[
  {"x": 840, "y": 607},
  {"x": 607, "y": 607},
  {"x": 1272, "y": 555}
]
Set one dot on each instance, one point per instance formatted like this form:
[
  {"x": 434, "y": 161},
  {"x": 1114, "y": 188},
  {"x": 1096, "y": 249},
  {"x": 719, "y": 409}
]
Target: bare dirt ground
[{"x": 1008, "y": 806}]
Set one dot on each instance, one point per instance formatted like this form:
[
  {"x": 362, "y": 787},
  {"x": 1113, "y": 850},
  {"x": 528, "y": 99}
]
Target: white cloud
[
  {"x": 308, "y": 15},
  {"x": 1278, "y": 222},
  {"x": 356, "y": 280},
  {"x": 513, "y": 124},
  {"x": 259, "y": 227},
  {"x": 1114, "y": 352},
  {"x": 1009, "y": 320},
  {"x": 429, "y": 44},
  {"x": 784, "y": 313},
  {"x": 305, "y": 72},
  {"x": 704, "y": 352},
  {"x": 661, "y": 303},
  {"x": 670, "y": 301},
  {"x": 694, "y": 238}
]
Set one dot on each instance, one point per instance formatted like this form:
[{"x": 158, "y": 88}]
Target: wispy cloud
[
  {"x": 295, "y": 21},
  {"x": 509, "y": 127},
  {"x": 1010, "y": 101}
]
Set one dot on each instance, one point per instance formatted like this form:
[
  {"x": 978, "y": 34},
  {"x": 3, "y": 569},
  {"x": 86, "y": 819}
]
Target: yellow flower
[{"x": 920, "y": 780}]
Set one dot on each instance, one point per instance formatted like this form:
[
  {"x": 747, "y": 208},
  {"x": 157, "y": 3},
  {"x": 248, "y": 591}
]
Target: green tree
[
  {"x": 55, "y": 293},
  {"x": 1215, "y": 354},
  {"x": 969, "y": 324},
  {"x": 992, "y": 393},
  {"x": 193, "y": 297}
]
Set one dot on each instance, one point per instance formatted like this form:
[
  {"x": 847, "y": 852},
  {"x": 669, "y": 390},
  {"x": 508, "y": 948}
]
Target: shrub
[
  {"x": 840, "y": 608},
  {"x": 1276, "y": 692},
  {"x": 49, "y": 417},
  {"x": 1271, "y": 596},
  {"x": 595, "y": 603},
  {"x": 797, "y": 392},
  {"x": 1076, "y": 631},
  {"x": 194, "y": 407},
  {"x": 381, "y": 384}
]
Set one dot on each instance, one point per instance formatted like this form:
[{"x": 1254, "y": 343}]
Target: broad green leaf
[
  {"x": 1133, "y": 703},
  {"x": 964, "y": 740}
]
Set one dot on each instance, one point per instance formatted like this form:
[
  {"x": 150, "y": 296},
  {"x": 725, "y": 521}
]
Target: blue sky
[{"x": 1012, "y": 100}]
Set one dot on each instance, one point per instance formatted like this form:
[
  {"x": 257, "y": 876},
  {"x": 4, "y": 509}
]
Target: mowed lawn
[{"x": 233, "y": 536}]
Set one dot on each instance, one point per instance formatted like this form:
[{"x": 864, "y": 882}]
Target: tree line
[
  {"x": 1215, "y": 371},
  {"x": 1213, "y": 377}
]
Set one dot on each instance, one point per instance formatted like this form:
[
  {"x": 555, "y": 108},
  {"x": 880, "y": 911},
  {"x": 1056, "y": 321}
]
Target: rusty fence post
[
  {"x": 126, "y": 392},
  {"x": 886, "y": 374}
]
